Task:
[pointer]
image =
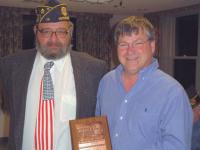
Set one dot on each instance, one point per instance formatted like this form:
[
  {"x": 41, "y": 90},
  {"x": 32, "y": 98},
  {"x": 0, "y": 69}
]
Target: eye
[
  {"x": 139, "y": 44},
  {"x": 62, "y": 32},
  {"x": 122, "y": 44},
  {"x": 47, "y": 31},
  {"x": 44, "y": 31}
]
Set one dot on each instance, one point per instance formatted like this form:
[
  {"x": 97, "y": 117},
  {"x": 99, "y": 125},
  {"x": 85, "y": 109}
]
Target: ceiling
[{"x": 117, "y": 7}]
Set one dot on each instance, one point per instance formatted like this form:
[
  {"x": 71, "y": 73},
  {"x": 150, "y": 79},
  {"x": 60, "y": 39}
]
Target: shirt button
[
  {"x": 125, "y": 101},
  {"x": 121, "y": 117},
  {"x": 116, "y": 134}
]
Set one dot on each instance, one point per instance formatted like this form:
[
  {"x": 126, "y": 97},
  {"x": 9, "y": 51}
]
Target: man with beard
[{"x": 46, "y": 87}]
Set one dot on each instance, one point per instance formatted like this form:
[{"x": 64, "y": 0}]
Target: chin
[{"x": 55, "y": 56}]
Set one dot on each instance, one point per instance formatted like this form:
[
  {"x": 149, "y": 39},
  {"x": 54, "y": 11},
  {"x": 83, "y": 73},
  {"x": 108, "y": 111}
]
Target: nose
[
  {"x": 53, "y": 36},
  {"x": 131, "y": 49}
]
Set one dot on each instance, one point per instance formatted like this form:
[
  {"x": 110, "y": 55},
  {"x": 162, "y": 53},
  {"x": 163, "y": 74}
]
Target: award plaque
[{"x": 90, "y": 134}]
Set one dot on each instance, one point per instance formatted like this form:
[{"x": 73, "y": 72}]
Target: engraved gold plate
[{"x": 90, "y": 134}]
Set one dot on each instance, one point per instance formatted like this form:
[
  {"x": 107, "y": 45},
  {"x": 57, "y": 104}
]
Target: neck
[{"x": 128, "y": 81}]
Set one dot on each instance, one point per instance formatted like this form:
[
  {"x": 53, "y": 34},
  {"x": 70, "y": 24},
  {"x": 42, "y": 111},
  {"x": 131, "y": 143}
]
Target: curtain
[
  {"x": 92, "y": 32},
  {"x": 11, "y": 30},
  {"x": 167, "y": 40},
  {"x": 164, "y": 28},
  {"x": 92, "y": 35},
  {"x": 155, "y": 20}
]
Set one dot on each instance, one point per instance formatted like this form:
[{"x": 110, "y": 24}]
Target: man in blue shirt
[{"x": 146, "y": 108}]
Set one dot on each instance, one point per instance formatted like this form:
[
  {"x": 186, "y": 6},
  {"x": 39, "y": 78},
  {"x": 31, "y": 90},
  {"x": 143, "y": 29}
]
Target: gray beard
[{"x": 44, "y": 52}]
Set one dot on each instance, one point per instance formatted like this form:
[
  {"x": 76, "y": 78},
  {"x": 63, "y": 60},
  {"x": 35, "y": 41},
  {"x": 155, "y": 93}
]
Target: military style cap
[{"x": 52, "y": 11}]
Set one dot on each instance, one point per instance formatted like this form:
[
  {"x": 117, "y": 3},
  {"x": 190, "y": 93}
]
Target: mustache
[{"x": 56, "y": 43}]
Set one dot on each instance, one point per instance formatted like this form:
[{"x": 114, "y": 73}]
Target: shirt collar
[
  {"x": 58, "y": 64},
  {"x": 150, "y": 68}
]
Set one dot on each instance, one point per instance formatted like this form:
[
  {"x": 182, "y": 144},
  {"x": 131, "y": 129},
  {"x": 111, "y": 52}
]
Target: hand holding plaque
[{"x": 90, "y": 134}]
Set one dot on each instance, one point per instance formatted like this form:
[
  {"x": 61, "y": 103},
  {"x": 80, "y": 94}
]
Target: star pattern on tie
[{"x": 48, "y": 90}]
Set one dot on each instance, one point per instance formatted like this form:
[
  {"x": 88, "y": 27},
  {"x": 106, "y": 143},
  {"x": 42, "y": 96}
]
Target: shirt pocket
[
  {"x": 145, "y": 126},
  {"x": 68, "y": 108},
  {"x": 148, "y": 126}
]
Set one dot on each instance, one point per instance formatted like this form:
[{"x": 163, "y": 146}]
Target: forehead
[
  {"x": 140, "y": 35},
  {"x": 54, "y": 25}
]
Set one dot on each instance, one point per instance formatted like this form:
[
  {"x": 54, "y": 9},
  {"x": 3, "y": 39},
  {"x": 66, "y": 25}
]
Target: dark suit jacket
[{"x": 15, "y": 72}]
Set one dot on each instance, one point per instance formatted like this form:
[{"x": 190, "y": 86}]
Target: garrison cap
[{"x": 52, "y": 11}]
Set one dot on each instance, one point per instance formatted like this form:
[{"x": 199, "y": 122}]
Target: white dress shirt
[{"x": 65, "y": 101}]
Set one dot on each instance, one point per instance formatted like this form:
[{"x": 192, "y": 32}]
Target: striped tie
[{"x": 45, "y": 118}]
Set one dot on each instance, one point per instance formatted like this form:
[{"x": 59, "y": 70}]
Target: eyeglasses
[
  {"x": 137, "y": 44},
  {"x": 62, "y": 33}
]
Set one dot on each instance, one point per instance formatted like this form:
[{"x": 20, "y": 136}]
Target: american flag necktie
[{"x": 44, "y": 129}]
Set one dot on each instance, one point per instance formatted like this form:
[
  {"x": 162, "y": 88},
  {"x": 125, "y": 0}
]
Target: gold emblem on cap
[
  {"x": 42, "y": 11},
  {"x": 64, "y": 11}
]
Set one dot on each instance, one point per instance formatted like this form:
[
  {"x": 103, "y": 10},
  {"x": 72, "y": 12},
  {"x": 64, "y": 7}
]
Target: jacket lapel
[
  {"x": 78, "y": 82},
  {"x": 21, "y": 76}
]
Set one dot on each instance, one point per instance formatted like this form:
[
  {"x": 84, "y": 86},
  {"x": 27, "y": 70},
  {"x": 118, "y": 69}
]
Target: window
[
  {"x": 186, "y": 55},
  {"x": 184, "y": 71}
]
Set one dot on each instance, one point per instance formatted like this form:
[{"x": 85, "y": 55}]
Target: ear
[
  {"x": 35, "y": 29},
  {"x": 153, "y": 46},
  {"x": 71, "y": 28}
]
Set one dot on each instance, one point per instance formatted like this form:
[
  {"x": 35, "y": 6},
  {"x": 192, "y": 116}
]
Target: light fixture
[{"x": 93, "y": 1}]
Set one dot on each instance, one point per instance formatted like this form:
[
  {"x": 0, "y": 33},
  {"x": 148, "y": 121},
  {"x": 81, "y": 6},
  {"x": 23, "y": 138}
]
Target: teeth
[{"x": 131, "y": 58}]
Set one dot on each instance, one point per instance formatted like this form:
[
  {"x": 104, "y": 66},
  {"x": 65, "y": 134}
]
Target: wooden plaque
[{"x": 90, "y": 134}]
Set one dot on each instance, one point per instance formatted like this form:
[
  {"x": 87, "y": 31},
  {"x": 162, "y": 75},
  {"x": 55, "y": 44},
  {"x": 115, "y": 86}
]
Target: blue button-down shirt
[{"x": 154, "y": 115}]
